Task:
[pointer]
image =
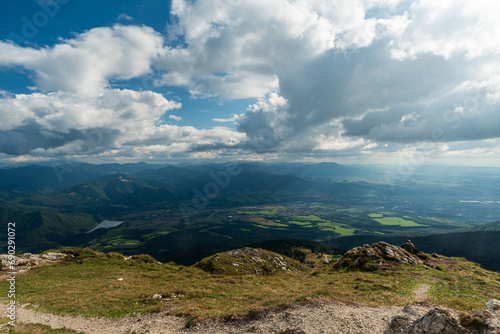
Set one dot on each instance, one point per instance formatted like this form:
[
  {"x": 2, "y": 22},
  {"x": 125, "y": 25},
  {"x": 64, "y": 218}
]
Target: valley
[{"x": 184, "y": 213}]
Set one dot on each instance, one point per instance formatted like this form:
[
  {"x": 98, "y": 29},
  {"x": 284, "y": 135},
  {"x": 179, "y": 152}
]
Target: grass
[
  {"x": 337, "y": 228},
  {"x": 261, "y": 221},
  {"x": 88, "y": 285},
  {"x": 33, "y": 329},
  {"x": 301, "y": 223},
  {"x": 306, "y": 218},
  {"x": 398, "y": 221},
  {"x": 155, "y": 234}
]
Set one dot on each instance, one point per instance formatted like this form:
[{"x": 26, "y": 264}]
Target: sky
[{"x": 353, "y": 81}]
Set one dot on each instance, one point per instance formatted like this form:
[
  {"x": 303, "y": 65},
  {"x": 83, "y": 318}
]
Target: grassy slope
[
  {"x": 88, "y": 285},
  {"x": 35, "y": 329}
]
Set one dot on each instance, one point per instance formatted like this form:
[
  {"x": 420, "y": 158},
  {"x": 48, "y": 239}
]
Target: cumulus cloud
[
  {"x": 87, "y": 63},
  {"x": 76, "y": 113},
  {"x": 344, "y": 77},
  {"x": 238, "y": 49},
  {"x": 450, "y": 28},
  {"x": 65, "y": 122},
  {"x": 408, "y": 85},
  {"x": 117, "y": 123}
]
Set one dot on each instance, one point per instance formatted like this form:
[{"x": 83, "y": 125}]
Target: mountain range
[{"x": 181, "y": 212}]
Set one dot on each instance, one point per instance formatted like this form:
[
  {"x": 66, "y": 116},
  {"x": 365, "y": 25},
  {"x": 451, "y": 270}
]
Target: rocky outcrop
[
  {"x": 253, "y": 261},
  {"x": 493, "y": 305},
  {"x": 441, "y": 321},
  {"x": 32, "y": 260},
  {"x": 369, "y": 258},
  {"x": 437, "y": 321}
]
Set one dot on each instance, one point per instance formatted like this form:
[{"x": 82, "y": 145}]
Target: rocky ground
[
  {"x": 27, "y": 261},
  {"x": 309, "y": 317}
]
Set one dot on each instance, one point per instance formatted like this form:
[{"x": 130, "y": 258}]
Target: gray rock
[
  {"x": 370, "y": 254},
  {"x": 398, "y": 324},
  {"x": 158, "y": 296},
  {"x": 437, "y": 321},
  {"x": 413, "y": 310},
  {"x": 292, "y": 331},
  {"x": 493, "y": 305},
  {"x": 54, "y": 256}
]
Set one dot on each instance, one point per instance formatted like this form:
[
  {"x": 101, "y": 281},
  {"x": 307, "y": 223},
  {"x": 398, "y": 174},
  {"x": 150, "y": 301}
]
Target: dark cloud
[{"x": 31, "y": 138}]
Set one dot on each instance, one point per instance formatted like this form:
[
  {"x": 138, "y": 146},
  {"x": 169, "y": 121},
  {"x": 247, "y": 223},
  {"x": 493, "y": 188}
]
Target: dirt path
[
  {"x": 317, "y": 317},
  {"x": 421, "y": 293}
]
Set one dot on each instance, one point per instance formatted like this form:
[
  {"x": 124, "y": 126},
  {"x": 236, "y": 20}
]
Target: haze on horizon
[{"x": 365, "y": 81}]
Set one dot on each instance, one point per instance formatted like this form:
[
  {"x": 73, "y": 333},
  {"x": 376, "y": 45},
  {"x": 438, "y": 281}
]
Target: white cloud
[
  {"x": 61, "y": 111},
  {"x": 367, "y": 94},
  {"x": 87, "y": 63},
  {"x": 118, "y": 123},
  {"x": 225, "y": 120},
  {"x": 340, "y": 77},
  {"x": 451, "y": 28},
  {"x": 125, "y": 17},
  {"x": 175, "y": 118},
  {"x": 238, "y": 49}
]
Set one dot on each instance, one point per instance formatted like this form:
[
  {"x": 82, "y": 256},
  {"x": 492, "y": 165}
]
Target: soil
[{"x": 316, "y": 316}]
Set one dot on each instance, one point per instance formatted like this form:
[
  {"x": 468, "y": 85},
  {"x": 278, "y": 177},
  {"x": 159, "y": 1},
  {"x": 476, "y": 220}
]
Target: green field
[
  {"x": 337, "y": 228},
  {"x": 301, "y": 223},
  {"x": 393, "y": 221},
  {"x": 306, "y": 218}
]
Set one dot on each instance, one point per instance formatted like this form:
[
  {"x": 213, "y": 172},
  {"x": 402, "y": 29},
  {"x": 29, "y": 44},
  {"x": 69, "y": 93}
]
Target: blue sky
[
  {"x": 68, "y": 18},
  {"x": 363, "y": 81}
]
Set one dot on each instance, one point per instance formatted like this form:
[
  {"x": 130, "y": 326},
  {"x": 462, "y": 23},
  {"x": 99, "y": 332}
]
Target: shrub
[
  {"x": 473, "y": 321},
  {"x": 370, "y": 267},
  {"x": 81, "y": 253},
  {"x": 144, "y": 258},
  {"x": 190, "y": 322}
]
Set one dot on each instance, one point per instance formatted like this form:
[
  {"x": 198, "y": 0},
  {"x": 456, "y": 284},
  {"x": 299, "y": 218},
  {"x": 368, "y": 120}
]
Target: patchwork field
[{"x": 395, "y": 221}]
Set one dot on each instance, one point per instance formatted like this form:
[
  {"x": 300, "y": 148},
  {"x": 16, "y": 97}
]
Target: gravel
[{"x": 308, "y": 318}]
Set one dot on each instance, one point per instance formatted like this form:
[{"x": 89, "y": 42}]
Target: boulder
[
  {"x": 54, "y": 256},
  {"x": 398, "y": 324},
  {"x": 493, "y": 305},
  {"x": 437, "y": 321},
  {"x": 378, "y": 254}
]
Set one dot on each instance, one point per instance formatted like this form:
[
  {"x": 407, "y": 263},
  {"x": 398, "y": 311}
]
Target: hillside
[
  {"x": 41, "y": 230},
  {"x": 249, "y": 261},
  {"x": 138, "y": 285},
  {"x": 479, "y": 246},
  {"x": 61, "y": 175}
]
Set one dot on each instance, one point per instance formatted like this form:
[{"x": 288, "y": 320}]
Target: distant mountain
[
  {"x": 179, "y": 179},
  {"x": 40, "y": 230},
  {"x": 323, "y": 169},
  {"x": 58, "y": 176},
  {"x": 304, "y": 170},
  {"x": 47, "y": 179},
  {"x": 184, "y": 180},
  {"x": 122, "y": 189},
  {"x": 495, "y": 226}
]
